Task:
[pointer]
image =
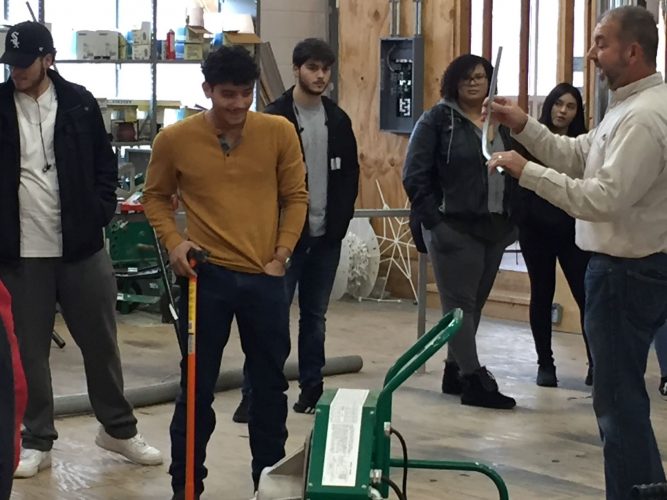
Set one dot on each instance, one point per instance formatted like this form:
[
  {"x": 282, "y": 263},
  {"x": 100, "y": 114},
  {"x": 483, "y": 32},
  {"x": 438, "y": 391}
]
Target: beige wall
[{"x": 286, "y": 22}]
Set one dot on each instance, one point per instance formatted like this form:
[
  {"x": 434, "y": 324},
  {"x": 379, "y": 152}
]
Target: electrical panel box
[{"x": 401, "y": 83}]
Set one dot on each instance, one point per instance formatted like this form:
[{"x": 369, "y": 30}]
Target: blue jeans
[
  {"x": 313, "y": 267},
  {"x": 259, "y": 303},
  {"x": 626, "y": 303}
]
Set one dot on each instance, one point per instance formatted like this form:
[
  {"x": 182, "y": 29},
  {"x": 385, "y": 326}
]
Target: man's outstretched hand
[
  {"x": 505, "y": 112},
  {"x": 511, "y": 163}
]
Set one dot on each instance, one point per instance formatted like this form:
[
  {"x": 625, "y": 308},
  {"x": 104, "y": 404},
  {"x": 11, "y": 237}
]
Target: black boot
[
  {"x": 481, "y": 389},
  {"x": 451, "y": 379},
  {"x": 241, "y": 414},
  {"x": 589, "y": 376},
  {"x": 546, "y": 376}
]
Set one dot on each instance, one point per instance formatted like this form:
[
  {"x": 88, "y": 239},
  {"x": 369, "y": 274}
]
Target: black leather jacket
[
  {"x": 445, "y": 173},
  {"x": 531, "y": 210}
]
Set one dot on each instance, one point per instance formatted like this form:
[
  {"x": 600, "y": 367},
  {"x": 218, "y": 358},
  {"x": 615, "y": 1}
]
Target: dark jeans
[
  {"x": 259, "y": 304},
  {"x": 626, "y": 303},
  {"x": 541, "y": 245},
  {"x": 313, "y": 267}
]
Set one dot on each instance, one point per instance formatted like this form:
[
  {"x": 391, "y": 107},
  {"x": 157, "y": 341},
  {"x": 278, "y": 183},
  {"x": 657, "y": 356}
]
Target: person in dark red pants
[{"x": 14, "y": 395}]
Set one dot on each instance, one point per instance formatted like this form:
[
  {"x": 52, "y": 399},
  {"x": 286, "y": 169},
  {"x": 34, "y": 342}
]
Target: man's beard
[
  {"x": 612, "y": 75},
  {"x": 306, "y": 88},
  {"x": 36, "y": 84}
]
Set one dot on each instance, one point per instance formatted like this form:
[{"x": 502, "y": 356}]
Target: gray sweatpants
[
  {"x": 465, "y": 268},
  {"x": 86, "y": 293}
]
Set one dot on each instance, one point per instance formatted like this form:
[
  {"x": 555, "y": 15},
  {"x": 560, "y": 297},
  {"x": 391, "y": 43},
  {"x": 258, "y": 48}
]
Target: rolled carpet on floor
[{"x": 166, "y": 392}]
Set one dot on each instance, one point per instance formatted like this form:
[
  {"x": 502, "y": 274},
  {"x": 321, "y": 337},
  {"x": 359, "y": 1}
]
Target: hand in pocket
[{"x": 440, "y": 236}]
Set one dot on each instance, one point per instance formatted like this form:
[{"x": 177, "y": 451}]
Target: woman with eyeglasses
[
  {"x": 546, "y": 234},
  {"x": 464, "y": 215}
]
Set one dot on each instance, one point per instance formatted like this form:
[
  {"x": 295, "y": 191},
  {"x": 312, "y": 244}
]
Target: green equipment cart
[{"x": 347, "y": 455}]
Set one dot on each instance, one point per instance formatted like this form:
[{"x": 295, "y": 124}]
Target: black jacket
[
  {"x": 87, "y": 171},
  {"x": 445, "y": 173},
  {"x": 343, "y": 183},
  {"x": 531, "y": 210}
]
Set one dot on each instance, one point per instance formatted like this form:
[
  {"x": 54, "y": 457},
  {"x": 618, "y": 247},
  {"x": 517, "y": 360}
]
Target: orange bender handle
[{"x": 194, "y": 258}]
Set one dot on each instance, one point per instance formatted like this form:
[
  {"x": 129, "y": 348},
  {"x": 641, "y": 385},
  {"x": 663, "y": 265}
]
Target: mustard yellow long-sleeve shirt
[{"x": 239, "y": 205}]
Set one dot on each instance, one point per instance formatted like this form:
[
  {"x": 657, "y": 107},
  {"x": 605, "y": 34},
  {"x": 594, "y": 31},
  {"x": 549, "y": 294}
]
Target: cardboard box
[
  {"x": 140, "y": 36},
  {"x": 106, "y": 113},
  {"x": 190, "y": 51},
  {"x": 102, "y": 44},
  {"x": 171, "y": 104},
  {"x": 247, "y": 40},
  {"x": 85, "y": 42},
  {"x": 141, "y": 52},
  {"x": 192, "y": 34},
  {"x": 3, "y": 36},
  {"x": 127, "y": 103},
  {"x": 107, "y": 45},
  {"x": 122, "y": 48}
]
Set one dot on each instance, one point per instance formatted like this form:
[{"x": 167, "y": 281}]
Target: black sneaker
[
  {"x": 589, "y": 377},
  {"x": 308, "y": 399},
  {"x": 546, "y": 376},
  {"x": 241, "y": 414},
  {"x": 481, "y": 389},
  {"x": 662, "y": 388},
  {"x": 451, "y": 379}
]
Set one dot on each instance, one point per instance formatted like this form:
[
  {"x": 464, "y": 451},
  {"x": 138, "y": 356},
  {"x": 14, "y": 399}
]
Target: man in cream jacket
[{"x": 614, "y": 181}]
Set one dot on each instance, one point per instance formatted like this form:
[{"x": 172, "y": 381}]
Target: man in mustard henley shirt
[{"x": 241, "y": 180}]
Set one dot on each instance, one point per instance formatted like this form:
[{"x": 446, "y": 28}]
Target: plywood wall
[
  {"x": 362, "y": 24},
  {"x": 284, "y": 23}
]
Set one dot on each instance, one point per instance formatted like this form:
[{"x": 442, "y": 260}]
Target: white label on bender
[{"x": 343, "y": 434}]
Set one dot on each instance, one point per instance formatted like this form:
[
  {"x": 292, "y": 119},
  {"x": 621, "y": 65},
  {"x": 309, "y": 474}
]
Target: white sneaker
[
  {"x": 31, "y": 462},
  {"x": 134, "y": 449}
]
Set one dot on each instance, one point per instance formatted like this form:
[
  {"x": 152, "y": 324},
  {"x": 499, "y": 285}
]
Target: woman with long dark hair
[
  {"x": 546, "y": 235},
  {"x": 464, "y": 214}
]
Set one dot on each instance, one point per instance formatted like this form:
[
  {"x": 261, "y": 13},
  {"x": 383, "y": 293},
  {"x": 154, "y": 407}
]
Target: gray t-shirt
[{"x": 314, "y": 136}]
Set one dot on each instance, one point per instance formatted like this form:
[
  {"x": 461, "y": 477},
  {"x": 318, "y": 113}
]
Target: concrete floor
[{"x": 548, "y": 447}]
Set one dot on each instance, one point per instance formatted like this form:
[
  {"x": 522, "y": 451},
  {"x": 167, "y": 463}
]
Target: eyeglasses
[{"x": 478, "y": 78}]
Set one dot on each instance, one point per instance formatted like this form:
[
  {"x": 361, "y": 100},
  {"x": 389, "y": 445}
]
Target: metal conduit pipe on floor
[{"x": 166, "y": 392}]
